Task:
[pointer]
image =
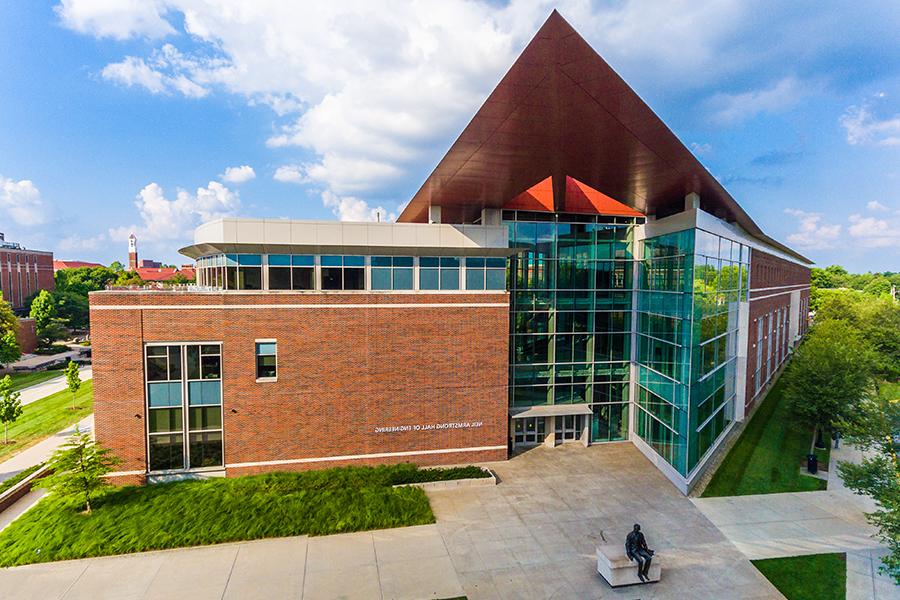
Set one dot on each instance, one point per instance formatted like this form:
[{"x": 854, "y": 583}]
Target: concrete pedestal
[{"x": 615, "y": 567}]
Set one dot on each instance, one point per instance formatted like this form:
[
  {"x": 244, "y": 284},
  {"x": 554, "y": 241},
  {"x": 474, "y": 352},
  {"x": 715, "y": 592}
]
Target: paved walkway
[
  {"x": 531, "y": 536},
  {"x": 42, "y": 450},
  {"x": 36, "y": 361},
  {"x": 51, "y": 386},
  {"x": 793, "y": 524}
]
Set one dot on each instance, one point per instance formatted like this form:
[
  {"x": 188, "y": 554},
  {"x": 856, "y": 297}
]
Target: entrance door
[{"x": 568, "y": 428}]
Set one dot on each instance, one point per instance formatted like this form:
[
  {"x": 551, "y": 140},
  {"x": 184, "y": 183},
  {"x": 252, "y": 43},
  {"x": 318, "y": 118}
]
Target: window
[
  {"x": 303, "y": 272},
  {"x": 279, "y": 272},
  {"x": 485, "y": 273},
  {"x": 184, "y": 391},
  {"x": 438, "y": 273},
  {"x": 392, "y": 272},
  {"x": 266, "y": 359},
  {"x": 343, "y": 273}
]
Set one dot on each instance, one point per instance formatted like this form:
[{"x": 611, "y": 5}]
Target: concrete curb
[
  {"x": 13, "y": 494},
  {"x": 452, "y": 484}
]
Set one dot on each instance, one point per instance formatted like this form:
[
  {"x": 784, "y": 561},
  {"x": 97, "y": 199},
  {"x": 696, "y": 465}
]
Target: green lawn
[
  {"x": 814, "y": 577},
  {"x": 45, "y": 417},
  {"x": 766, "y": 458},
  {"x": 23, "y": 380},
  {"x": 190, "y": 513},
  {"x": 8, "y": 483}
]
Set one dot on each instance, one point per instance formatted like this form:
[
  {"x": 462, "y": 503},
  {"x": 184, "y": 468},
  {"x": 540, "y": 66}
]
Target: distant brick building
[
  {"x": 153, "y": 271},
  {"x": 23, "y": 272},
  {"x": 58, "y": 265}
]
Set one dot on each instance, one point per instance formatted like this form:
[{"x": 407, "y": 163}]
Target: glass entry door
[{"x": 568, "y": 428}]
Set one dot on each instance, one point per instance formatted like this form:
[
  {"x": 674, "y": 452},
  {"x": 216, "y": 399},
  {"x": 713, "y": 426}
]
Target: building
[
  {"x": 154, "y": 271},
  {"x": 73, "y": 264},
  {"x": 23, "y": 272},
  {"x": 568, "y": 273}
]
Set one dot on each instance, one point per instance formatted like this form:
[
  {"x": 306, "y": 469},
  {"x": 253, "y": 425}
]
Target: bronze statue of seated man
[{"x": 636, "y": 549}]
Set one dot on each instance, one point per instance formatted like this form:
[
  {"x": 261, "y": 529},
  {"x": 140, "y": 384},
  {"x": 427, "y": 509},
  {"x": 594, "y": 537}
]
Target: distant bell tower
[{"x": 132, "y": 253}]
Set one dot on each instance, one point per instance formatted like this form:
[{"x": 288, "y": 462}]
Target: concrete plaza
[{"x": 531, "y": 536}]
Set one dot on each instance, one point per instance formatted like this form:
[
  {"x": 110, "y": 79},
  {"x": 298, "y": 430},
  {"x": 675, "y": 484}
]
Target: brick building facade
[
  {"x": 389, "y": 378},
  {"x": 23, "y": 272}
]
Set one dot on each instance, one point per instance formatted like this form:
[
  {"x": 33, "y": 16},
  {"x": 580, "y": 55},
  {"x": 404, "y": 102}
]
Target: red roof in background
[
  {"x": 73, "y": 264},
  {"x": 582, "y": 198},
  {"x": 164, "y": 273}
]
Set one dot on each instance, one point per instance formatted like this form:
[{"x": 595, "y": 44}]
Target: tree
[
  {"x": 876, "y": 474},
  {"x": 46, "y": 322},
  {"x": 116, "y": 267},
  {"x": 820, "y": 278},
  {"x": 9, "y": 325},
  {"x": 73, "y": 381},
  {"x": 878, "y": 286},
  {"x": 830, "y": 376},
  {"x": 78, "y": 469},
  {"x": 10, "y": 405}
]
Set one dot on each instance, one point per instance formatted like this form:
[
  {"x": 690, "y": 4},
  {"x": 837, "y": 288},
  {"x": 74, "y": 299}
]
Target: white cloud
[
  {"x": 175, "y": 219},
  {"x": 290, "y": 174},
  {"x": 349, "y": 208},
  {"x": 76, "y": 243},
  {"x": 862, "y": 127},
  {"x": 871, "y": 232},
  {"x": 240, "y": 174},
  {"x": 21, "y": 200},
  {"x": 876, "y": 206},
  {"x": 780, "y": 96},
  {"x": 134, "y": 71},
  {"x": 166, "y": 71},
  {"x": 119, "y": 19},
  {"x": 812, "y": 232}
]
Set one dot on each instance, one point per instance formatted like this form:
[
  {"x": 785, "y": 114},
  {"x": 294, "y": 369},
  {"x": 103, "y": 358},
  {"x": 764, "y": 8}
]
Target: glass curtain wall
[
  {"x": 570, "y": 322},
  {"x": 690, "y": 286}
]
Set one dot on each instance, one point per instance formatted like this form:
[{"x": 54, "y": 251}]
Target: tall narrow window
[
  {"x": 266, "y": 360},
  {"x": 184, "y": 391}
]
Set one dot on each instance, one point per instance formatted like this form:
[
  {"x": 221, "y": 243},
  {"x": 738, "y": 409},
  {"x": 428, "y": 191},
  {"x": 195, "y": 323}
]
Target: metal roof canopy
[
  {"x": 551, "y": 410},
  {"x": 562, "y": 111}
]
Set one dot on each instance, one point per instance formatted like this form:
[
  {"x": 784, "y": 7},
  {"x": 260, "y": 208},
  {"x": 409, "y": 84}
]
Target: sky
[{"x": 153, "y": 116}]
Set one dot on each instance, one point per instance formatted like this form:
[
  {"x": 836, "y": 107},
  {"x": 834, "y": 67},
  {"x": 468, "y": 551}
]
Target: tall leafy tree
[
  {"x": 46, "y": 321},
  {"x": 10, "y": 405},
  {"x": 78, "y": 469},
  {"x": 831, "y": 375},
  {"x": 9, "y": 325},
  {"x": 876, "y": 475}
]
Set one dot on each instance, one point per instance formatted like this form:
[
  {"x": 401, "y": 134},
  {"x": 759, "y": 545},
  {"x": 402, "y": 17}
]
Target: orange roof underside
[{"x": 580, "y": 198}]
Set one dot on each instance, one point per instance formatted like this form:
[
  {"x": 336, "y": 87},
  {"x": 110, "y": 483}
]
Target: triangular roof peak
[{"x": 561, "y": 110}]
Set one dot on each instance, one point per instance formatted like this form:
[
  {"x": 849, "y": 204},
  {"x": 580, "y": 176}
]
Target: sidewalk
[
  {"x": 36, "y": 361},
  {"x": 42, "y": 450},
  {"x": 798, "y": 523},
  {"x": 51, "y": 386}
]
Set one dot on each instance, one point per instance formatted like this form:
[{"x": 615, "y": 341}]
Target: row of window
[
  {"x": 349, "y": 272},
  {"x": 773, "y": 328}
]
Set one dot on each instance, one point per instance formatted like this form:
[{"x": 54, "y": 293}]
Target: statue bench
[{"x": 615, "y": 567}]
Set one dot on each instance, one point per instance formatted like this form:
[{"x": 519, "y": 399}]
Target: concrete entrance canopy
[
  {"x": 550, "y": 410},
  {"x": 562, "y": 112}
]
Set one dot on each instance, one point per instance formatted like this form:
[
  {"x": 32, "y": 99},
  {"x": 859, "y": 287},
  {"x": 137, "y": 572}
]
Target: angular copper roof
[{"x": 562, "y": 111}]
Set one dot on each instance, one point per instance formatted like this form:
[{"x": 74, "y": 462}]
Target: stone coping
[
  {"x": 452, "y": 484},
  {"x": 13, "y": 494}
]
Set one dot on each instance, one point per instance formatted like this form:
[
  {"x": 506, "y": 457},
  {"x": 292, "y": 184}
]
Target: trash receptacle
[{"x": 812, "y": 463}]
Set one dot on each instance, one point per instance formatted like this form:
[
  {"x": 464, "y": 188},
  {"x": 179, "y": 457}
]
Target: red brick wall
[
  {"x": 36, "y": 269},
  {"x": 342, "y": 372},
  {"x": 27, "y": 336},
  {"x": 772, "y": 280}
]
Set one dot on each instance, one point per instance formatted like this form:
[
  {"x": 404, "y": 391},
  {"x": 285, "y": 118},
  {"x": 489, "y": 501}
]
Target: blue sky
[{"x": 126, "y": 116}]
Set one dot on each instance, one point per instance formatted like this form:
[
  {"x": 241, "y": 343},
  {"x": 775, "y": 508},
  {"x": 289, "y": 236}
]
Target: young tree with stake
[
  {"x": 73, "y": 381},
  {"x": 10, "y": 405}
]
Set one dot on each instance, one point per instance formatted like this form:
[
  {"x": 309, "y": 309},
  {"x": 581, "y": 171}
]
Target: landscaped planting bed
[
  {"x": 191, "y": 513},
  {"x": 768, "y": 456}
]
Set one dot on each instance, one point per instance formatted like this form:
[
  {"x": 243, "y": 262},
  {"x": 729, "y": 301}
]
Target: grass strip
[
  {"x": 24, "y": 380},
  {"x": 813, "y": 577},
  {"x": 47, "y": 416},
  {"x": 218, "y": 510},
  {"x": 766, "y": 459},
  {"x": 416, "y": 475}
]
